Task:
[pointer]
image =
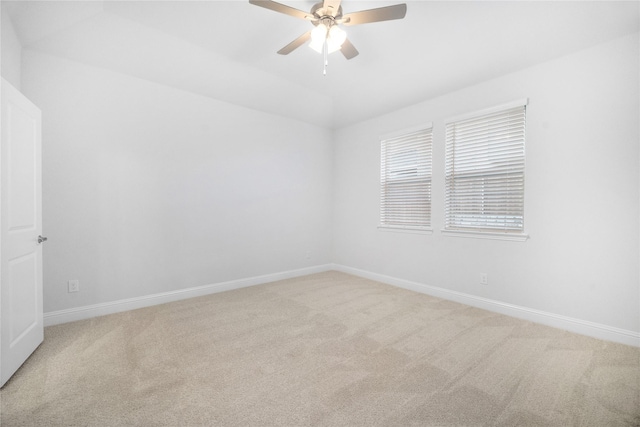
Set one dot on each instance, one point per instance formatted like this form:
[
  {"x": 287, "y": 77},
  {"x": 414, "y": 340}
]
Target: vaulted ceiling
[{"x": 227, "y": 49}]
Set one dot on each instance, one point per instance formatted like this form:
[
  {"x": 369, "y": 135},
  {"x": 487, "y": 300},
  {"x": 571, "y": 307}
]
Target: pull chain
[{"x": 326, "y": 57}]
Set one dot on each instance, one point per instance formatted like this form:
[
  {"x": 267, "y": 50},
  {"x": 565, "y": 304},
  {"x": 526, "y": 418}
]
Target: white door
[{"x": 21, "y": 316}]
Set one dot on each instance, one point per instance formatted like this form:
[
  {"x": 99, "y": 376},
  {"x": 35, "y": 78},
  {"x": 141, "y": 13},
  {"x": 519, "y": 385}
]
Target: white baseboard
[
  {"x": 578, "y": 326},
  {"x": 95, "y": 310}
]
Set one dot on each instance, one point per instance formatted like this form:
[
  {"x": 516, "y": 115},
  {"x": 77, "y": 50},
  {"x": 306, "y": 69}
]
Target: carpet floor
[{"x": 328, "y": 349}]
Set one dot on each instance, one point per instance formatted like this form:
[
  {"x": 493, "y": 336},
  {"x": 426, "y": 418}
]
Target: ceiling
[{"x": 226, "y": 50}]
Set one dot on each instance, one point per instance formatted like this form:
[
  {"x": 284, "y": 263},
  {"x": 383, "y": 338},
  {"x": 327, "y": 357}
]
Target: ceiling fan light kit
[
  {"x": 327, "y": 37},
  {"x": 333, "y": 36}
]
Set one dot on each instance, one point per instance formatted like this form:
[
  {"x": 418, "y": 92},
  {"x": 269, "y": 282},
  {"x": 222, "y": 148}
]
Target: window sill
[
  {"x": 412, "y": 230},
  {"x": 514, "y": 237}
]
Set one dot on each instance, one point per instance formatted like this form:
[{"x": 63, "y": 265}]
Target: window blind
[
  {"x": 405, "y": 180},
  {"x": 484, "y": 172}
]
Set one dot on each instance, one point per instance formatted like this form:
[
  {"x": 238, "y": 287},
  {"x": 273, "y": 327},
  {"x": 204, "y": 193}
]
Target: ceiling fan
[{"x": 326, "y": 16}]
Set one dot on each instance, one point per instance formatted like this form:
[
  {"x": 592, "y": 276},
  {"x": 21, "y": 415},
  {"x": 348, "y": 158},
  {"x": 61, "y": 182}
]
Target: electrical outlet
[
  {"x": 484, "y": 279},
  {"x": 74, "y": 285}
]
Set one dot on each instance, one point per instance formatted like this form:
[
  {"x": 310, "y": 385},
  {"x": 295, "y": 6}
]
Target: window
[
  {"x": 405, "y": 180},
  {"x": 484, "y": 172}
]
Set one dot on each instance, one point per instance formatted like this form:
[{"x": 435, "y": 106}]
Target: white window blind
[
  {"x": 405, "y": 180},
  {"x": 485, "y": 160}
]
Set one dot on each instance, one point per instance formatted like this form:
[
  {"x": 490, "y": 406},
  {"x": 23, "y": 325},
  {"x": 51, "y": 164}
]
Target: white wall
[
  {"x": 148, "y": 189},
  {"x": 581, "y": 203},
  {"x": 11, "y": 51}
]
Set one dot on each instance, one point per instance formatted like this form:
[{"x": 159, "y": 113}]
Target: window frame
[
  {"x": 426, "y": 164},
  {"x": 479, "y": 231}
]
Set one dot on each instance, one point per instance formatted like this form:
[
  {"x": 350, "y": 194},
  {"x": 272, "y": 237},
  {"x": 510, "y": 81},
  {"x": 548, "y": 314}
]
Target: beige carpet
[{"x": 328, "y": 349}]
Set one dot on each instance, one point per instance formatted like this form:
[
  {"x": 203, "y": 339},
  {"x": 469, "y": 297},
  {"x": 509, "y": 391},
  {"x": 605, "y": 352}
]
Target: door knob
[{"x": 41, "y": 239}]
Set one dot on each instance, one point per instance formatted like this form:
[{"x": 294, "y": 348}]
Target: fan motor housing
[{"x": 321, "y": 13}]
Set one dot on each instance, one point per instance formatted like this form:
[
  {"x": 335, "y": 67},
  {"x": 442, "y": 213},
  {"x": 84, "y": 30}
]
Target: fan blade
[
  {"x": 348, "y": 50},
  {"x": 388, "y": 13},
  {"x": 331, "y": 7},
  {"x": 295, "y": 44},
  {"x": 287, "y": 10}
]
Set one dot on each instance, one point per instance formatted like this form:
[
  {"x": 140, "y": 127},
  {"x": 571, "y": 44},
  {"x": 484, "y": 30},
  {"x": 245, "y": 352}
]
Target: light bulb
[
  {"x": 318, "y": 36},
  {"x": 336, "y": 37},
  {"x": 317, "y": 45}
]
